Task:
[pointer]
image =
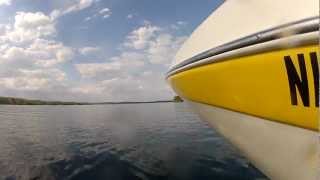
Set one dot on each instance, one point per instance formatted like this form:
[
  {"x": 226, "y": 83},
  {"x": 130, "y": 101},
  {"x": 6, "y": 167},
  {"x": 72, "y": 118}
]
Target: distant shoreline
[
  {"x": 136, "y": 102},
  {"x": 22, "y": 101}
]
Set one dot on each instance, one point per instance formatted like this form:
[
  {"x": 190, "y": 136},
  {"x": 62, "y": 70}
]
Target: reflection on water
[{"x": 117, "y": 142}]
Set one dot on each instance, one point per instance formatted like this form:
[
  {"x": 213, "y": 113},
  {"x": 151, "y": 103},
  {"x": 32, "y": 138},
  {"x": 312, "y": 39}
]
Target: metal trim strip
[
  {"x": 299, "y": 27},
  {"x": 291, "y": 41}
]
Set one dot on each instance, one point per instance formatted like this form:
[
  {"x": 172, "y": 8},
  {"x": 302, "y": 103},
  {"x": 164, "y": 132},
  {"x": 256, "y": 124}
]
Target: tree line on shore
[{"x": 22, "y": 101}]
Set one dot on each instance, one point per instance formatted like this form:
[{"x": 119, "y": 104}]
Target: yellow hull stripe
[{"x": 281, "y": 85}]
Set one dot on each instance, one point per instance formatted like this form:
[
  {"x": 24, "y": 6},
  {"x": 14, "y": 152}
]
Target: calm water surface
[{"x": 117, "y": 142}]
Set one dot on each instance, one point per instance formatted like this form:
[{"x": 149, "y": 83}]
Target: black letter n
[{"x": 295, "y": 81}]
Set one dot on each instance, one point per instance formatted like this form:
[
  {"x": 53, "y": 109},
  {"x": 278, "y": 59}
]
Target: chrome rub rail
[{"x": 299, "y": 27}]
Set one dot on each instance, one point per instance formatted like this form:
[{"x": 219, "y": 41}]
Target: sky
[{"x": 93, "y": 50}]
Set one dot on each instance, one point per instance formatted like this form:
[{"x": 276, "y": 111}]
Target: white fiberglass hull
[{"x": 280, "y": 151}]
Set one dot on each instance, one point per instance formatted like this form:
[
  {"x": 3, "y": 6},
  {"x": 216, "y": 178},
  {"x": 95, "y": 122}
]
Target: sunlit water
[{"x": 117, "y": 142}]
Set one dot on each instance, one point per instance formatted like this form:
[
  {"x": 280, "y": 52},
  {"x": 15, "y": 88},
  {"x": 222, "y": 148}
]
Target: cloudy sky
[{"x": 93, "y": 50}]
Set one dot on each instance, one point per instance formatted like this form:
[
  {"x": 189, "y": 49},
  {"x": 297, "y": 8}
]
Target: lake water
[{"x": 117, "y": 142}]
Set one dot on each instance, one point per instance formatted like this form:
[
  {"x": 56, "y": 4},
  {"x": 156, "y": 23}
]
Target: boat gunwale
[
  {"x": 305, "y": 26},
  {"x": 288, "y": 42}
]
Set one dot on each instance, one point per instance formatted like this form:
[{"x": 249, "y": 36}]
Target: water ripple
[{"x": 118, "y": 142}]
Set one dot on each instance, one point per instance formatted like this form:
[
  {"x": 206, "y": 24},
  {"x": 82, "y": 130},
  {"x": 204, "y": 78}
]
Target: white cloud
[
  {"x": 5, "y": 2},
  {"x": 117, "y": 67},
  {"x": 147, "y": 85},
  {"x": 32, "y": 62},
  {"x": 55, "y": 14},
  {"x": 157, "y": 44},
  {"x": 139, "y": 38},
  {"x": 182, "y": 23},
  {"x": 72, "y": 6},
  {"x": 87, "y": 89},
  {"x": 29, "y": 26},
  {"x": 41, "y": 53},
  {"x": 63, "y": 54},
  {"x": 106, "y": 13},
  {"x": 132, "y": 75},
  {"x": 89, "y": 50},
  {"x": 87, "y": 19},
  {"x": 178, "y": 25},
  {"x": 32, "y": 80},
  {"x": 106, "y": 16},
  {"x": 163, "y": 49},
  {"x": 53, "y": 52},
  {"x": 29, "y": 55},
  {"x": 94, "y": 69},
  {"x": 130, "y": 16},
  {"x": 4, "y": 28},
  {"x": 78, "y": 6}
]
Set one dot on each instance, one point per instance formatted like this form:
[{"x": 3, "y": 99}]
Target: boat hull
[
  {"x": 251, "y": 69},
  {"x": 278, "y": 150},
  {"x": 266, "y": 104},
  {"x": 281, "y": 85}
]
